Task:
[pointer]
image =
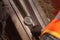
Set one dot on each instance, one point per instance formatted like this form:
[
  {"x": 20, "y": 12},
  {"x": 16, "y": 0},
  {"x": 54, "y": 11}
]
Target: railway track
[{"x": 25, "y": 15}]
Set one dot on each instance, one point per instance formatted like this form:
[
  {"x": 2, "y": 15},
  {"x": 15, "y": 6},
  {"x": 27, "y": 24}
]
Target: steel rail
[
  {"x": 25, "y": 34},
  {"x": 40, "y": 14}
]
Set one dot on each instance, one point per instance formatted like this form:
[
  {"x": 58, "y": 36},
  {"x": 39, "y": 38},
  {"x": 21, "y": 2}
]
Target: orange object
[{"x": 53, "y": 28}]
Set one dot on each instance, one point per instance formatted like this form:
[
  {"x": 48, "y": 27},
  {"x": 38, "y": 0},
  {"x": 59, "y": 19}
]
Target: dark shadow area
[
  {"x": 11, "y": 30},
  {"x": 0, "y": 28}
]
